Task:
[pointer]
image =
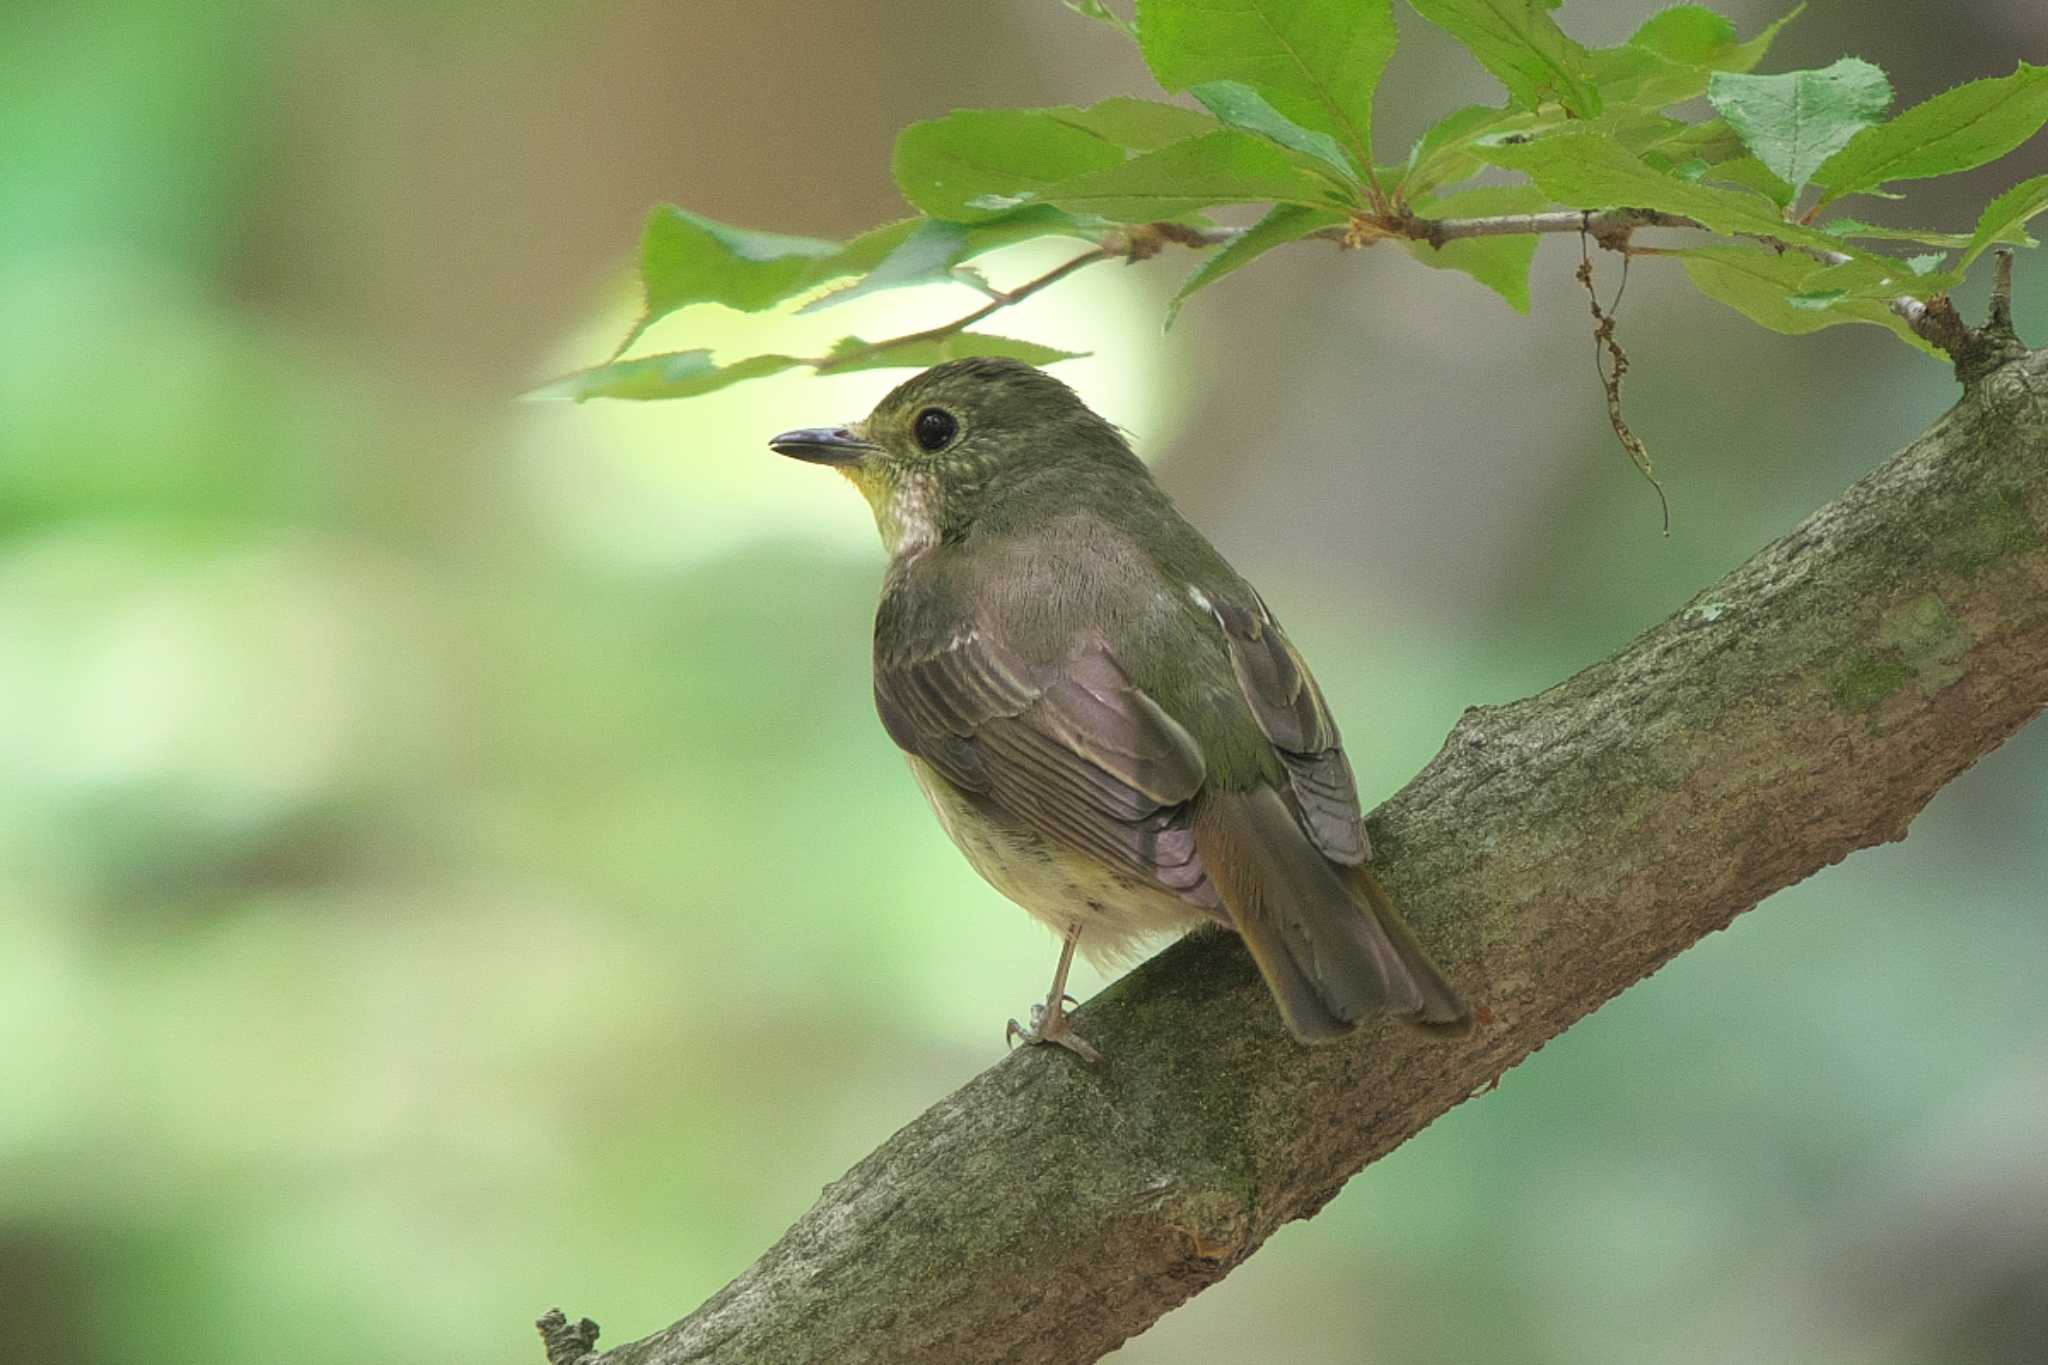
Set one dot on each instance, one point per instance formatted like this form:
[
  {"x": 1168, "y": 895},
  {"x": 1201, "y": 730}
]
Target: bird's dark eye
[{"x": 935, "y": 427}]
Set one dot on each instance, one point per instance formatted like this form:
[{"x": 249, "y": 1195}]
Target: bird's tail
[{"x": 1328, "y": 941}]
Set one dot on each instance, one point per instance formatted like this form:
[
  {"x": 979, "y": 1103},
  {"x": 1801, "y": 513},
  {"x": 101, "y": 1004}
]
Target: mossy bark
[{"x": 1555, "y": 852}]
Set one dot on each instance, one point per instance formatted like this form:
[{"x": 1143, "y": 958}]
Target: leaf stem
[{"x": 999, "y": 300}]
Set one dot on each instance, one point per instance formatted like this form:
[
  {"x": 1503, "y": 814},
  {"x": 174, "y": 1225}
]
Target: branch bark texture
[{"x": 1556, "y": 851}]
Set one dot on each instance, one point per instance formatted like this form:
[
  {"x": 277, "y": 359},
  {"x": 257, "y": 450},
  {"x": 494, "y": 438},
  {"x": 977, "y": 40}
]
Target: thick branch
[{"x": 1558, "y": 850}]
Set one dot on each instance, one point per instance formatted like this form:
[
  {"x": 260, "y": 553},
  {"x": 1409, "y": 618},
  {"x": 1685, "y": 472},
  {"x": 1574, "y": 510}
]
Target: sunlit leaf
[
  {"x": 686, "y": 258},
  {"x": 1856, "y": 227},
  {"x": 1242, "y": 107},
  {"x": 936, "y": 249},
  {"x": 1671, "y": 58},
  {"x": 1286, "y": 223},
  {"x": 1225, "y": 167},
  {"x": 1795, "y": 121},
  {"x": 1101, "y": 13},
  {"x": 1316, "y": 61},
  {"x": 2005, "y": 218},
  {"x": 1954, "y": 131},
  {"x": 976, "y": 164},
  {"x": 1584, "y": 169},
  {"x": 1522, "y": 45},
  {"x": 851, "y": 353},
  {"x": 1761, "y": 284},
  {"x": 1139, "y": 125},
  {"x": 1501, "y": 263},
  {"x": 674, "y": 374}
]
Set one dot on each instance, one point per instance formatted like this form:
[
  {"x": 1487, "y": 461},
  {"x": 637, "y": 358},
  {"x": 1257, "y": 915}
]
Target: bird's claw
[{"x": 1050, "y": 1026}]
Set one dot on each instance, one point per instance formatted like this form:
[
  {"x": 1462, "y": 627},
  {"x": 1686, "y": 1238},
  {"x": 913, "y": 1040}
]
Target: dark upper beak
[{"x": 822, "y": 445}]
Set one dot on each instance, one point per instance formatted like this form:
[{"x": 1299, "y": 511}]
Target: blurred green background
[{"x": 449, "y": 864}]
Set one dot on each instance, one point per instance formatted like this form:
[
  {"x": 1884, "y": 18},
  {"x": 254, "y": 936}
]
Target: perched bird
[{"x": 1107, "y": 720}]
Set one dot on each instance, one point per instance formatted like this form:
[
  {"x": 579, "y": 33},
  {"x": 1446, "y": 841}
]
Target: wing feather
[
  {"x": 1290, "y": 710},
  {"x": 1075, "y": 750}
]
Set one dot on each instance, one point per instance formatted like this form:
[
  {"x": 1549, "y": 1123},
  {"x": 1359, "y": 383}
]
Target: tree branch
[{"x": 1556, "y": 851}]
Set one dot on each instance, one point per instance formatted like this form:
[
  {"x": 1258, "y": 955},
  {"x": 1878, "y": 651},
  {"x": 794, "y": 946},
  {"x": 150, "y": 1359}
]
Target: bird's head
[{"x": 947, "y": 444}]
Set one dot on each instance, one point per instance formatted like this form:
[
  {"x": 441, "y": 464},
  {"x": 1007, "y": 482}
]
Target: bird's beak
[{"x": 822, "y": 445}]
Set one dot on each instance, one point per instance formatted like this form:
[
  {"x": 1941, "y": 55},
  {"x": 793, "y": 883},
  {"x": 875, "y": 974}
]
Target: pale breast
[{"x": 1056, "y": 884}]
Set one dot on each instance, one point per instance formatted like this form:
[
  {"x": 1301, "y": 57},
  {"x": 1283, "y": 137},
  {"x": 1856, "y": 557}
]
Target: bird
[{"x": 1105, "y": 717}]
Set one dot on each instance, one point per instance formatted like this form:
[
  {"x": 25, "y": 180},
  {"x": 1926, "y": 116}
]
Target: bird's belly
[{"x": 1055, "y": 883}]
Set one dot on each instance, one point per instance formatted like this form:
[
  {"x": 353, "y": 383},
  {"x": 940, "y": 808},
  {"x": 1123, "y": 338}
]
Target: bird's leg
[{"x": 1049, "y": 1021}]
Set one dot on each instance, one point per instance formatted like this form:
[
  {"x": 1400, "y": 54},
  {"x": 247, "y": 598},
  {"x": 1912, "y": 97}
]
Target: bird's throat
[{"x": 906, "y": 506}]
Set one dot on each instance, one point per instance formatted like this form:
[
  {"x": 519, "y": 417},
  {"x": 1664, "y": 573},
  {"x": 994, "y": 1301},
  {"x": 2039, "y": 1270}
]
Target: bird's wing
[
  {"x": 1290, "y": 710},
  {"x": 1074, "y": 750}
]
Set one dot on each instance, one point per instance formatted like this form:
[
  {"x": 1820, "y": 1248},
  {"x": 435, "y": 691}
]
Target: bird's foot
[{"x": 1049, "y": 1025}]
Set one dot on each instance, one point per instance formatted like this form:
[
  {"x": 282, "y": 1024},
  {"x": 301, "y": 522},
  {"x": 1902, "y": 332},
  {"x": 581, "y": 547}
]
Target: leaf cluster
[{"x": 1282, "y": 117}]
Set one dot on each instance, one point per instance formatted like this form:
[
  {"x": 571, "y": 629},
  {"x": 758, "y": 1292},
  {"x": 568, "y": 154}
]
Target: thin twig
[
  {"x": 1612, "y": 373},
  {"x": 1001, "y": 300}
]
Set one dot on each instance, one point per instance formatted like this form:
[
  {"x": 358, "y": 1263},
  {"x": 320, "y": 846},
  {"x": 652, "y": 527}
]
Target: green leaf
[
  {"x": 1693, "y": 35},
  {"x": 1225, "y": 167},
  {"x": 1443, "y": 154},
  {"x": 1964, "y": 127},
  {"x": 1881, "y": 279},
  {"x": 1139, "y": 125},
  {"x": 1856, "y": 227},
  {"x": 675, "y": 374},
  {"x": 1244, "y": 108},
  {"x": 686, "y": 258},
  {"x": 1752, "y": 174},
  {"x": 1286, "y": 223},
  {"x": 1584, "y": 169},
  {"x": 1761, "y": 285},
  {"x": 1101, "y": 13},
  {"x": 1500, "y": 263},
  {"x": 851, "y": 353},
  {"x": 936, "y": 250},
  {"x": 1520, "y": 43},
  {"x": 976, "y": 164},
  {"x": 1317, "y": 61},
  {"x": 1712, "y": 142},
  {"x": 1796, "y": 121},
  {"x": 2005, "y": 218}
]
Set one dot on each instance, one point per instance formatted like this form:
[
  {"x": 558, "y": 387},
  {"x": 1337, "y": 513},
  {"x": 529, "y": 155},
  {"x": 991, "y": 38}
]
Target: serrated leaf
[
  {"x": 1522, "y": 45},
  {"x": 1225, "y": 167},
  {"x": 1856, "y": 227},
  {"x": 1317, "y": 61},
  {"x": 1501, "y": 263},
  {"x": 1795, "y": 121},
  {"x": 1673, "y": 56},
  {"x": 976, "y": 164},
  {"x": 936, "y": 248},
  {"x": 1954, "y": 131},
  {"x": 686, "y": 258},
  {"x": 674, "y": 374},
  {"x": 1245, "y": 109},
  {"x": 1760, "y": 285},
  {"x": 1585, "y": 169},
  {"x": 1286, "y": 223},
  {"x": 1101, "y": 13},
  {"x": 1752, "y": 174},
  {"x": 1693, "y": 35},
  {"x": 1712, "y": 141},
  {"x": 1880, "y": 278},
  {"x": 1139, "y": 125},
  {"x": 851, "y": 353},
  {"x": 2005, "y": 218},
  {"x": 1443, "y": 154}
]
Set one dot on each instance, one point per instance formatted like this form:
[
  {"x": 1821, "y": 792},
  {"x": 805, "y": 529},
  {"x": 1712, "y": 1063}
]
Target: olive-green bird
[{"x": 1106, "y": 718}]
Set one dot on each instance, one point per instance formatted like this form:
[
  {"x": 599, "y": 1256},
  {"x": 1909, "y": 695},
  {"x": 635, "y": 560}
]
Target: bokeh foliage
[{"x": 449, "y": 864}]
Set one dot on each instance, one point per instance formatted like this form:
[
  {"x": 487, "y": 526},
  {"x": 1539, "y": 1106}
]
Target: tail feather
[{"x": 1326, "y": 938}]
